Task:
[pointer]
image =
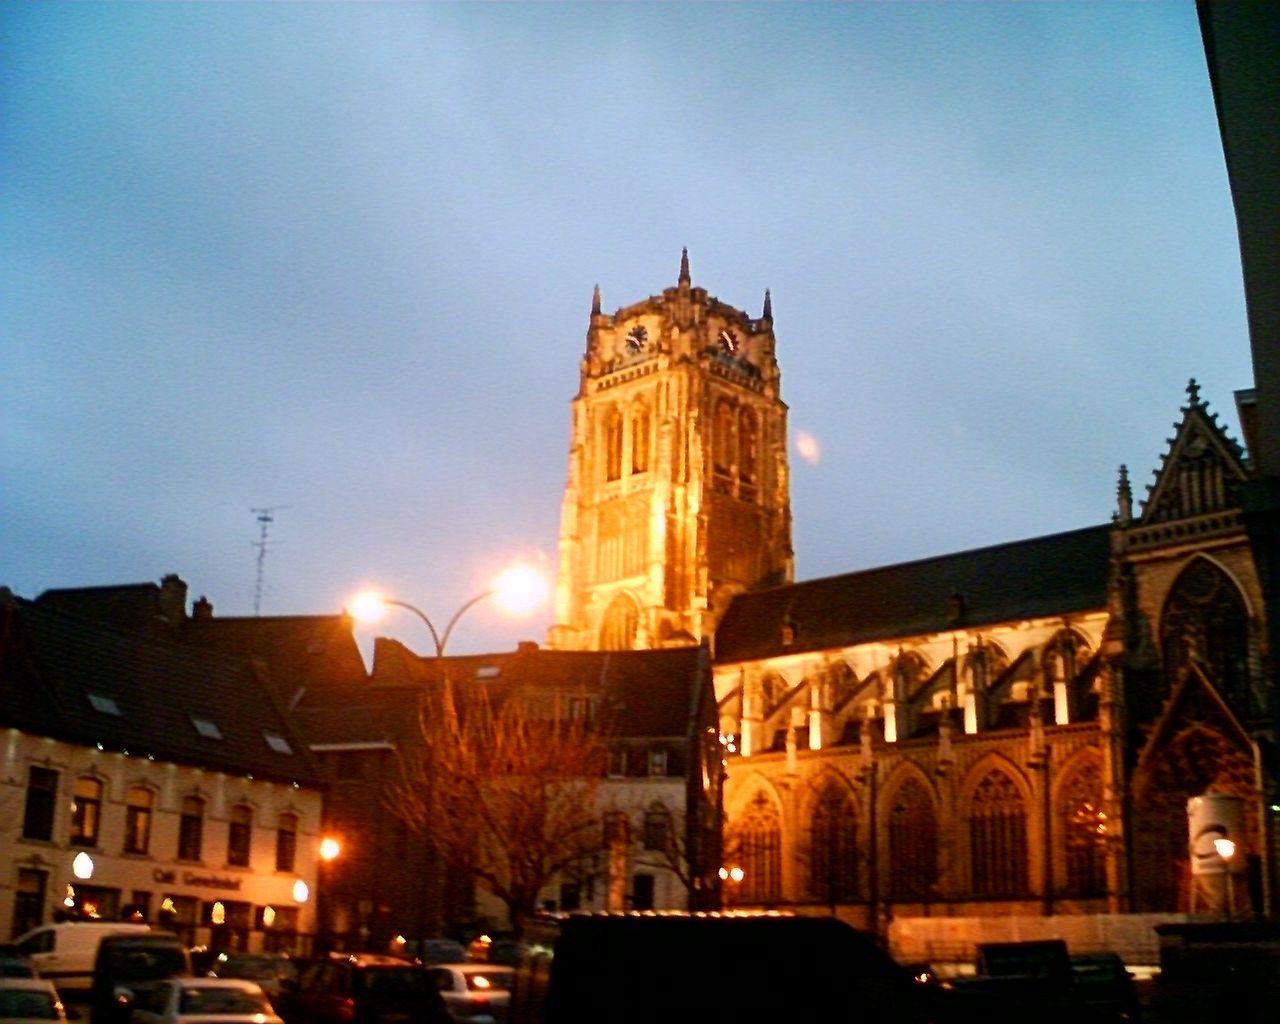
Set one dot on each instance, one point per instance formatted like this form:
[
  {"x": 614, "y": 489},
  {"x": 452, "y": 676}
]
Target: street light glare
[
  {"x": 521, "y": 589},
  {"x": 367, "y": 607}
]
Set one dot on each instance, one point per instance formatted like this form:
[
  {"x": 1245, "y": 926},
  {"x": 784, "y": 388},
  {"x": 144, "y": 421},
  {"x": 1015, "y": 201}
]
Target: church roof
[
  {"x": 89, "y": 683},
  {"x": 1052, "y": 575}
]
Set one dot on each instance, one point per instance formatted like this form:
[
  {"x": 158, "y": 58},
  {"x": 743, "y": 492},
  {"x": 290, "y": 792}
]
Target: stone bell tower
[{"x": 677, "y": 495}]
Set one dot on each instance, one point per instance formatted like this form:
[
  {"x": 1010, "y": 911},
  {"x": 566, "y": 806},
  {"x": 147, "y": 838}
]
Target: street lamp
[
  {"x": 330, "y": 849},
  {"x": 520, "y": 589},
  {"x": 1226, "y": 849}
]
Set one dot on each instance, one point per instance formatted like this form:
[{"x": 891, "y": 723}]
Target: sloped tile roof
[
  {"x": 1052, "y": 575},
  {"x": 64, "y": 676}
]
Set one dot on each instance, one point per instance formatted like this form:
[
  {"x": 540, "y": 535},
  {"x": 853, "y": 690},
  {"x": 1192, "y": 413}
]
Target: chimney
[
  {"x": 202, "y": 609},
  {"x": 173, "y": 599}
]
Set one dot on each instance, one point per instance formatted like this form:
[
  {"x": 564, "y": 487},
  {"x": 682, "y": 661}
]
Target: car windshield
[
  {"x": 209, "y": 1000},
  {"x": 22, "y": 1003}
]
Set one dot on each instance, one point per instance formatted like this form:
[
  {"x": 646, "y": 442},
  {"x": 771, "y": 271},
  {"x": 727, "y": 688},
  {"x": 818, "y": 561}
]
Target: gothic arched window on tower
[
  {"x": 998, "y": 837},
  {"x": 1205, "y": 623},
  {"x": 609, "y": 543},
  {"x": 621, "y": 620},
  {"x": 833, "y": 847},
  {"x": 913, "y": 843},
  {"x": 640, "y": 438},
  {"x": 1083, "y": 823},
  {"x": 613, "y": 445},
  {"x": 724, "y": 444},
  {"x": 748, "y": 454}
]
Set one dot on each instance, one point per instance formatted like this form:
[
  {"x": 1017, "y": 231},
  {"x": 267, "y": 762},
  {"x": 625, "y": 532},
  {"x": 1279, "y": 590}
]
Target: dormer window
[
  {"x": 277, "y": 743},
  {"x": 206, "y": 728},
  {"x": 104, "y": 705}
]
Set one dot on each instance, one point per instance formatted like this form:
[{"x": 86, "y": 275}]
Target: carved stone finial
[
  {"x": 1193, "y": 392},
  {"x": 1124, "y": 497},
  {"x": 768, "y": 305},
  {"x": 684, "y": 266},
  {"x": 595, "y": 302}
]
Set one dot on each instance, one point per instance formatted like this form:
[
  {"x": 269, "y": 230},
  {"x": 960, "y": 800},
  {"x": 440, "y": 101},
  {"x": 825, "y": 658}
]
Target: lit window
[
  {"x": 86, "y": 811},
  {"x": 137, "y": 820}
]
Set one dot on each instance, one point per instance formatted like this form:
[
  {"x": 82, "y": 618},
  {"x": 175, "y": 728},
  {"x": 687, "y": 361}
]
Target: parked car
[
  {"x": 64, "y": 952},
  {"x": 361, "y": 988},
  {"x": 1103, "y": 983},
  {"x": 15, "y": 965},
  {"x": 268, "y": 969},
  {"x": 204, "y": 1000},
  {"x": 128, "y": 966},
  {"x": 474, "y": 993},
  {"x": 30, "y": 1001},
  {"x": 436, "y": 951}
]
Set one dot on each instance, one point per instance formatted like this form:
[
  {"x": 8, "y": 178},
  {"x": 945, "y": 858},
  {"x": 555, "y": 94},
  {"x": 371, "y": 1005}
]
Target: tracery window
[
  {"x": 1083, "y": 824},
  {"x": 748, "y": 449},
  {"x": 613, "y": 445},
  {"x": 913, "y": 843},
  {"x": 723, "y": 445},
  {"x": 640, "y": 438},
  {"x": 618, "y": 632},
  {"x": 998, "y": 837},
  {"x": 609, "y": 544},
  {"x": 757, "y": 843},
  {"x": 1205, "y": 621},
  {"x": 833, "y": 848}
]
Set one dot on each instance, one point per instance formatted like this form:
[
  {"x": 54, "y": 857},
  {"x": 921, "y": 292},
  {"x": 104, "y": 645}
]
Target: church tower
[{"x": 677, "y": 495}]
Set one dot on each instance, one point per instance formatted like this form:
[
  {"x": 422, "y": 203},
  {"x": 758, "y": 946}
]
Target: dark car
[
  {"x": 1103, "y": 983},
  {"x": 270, "y": 970},
  {"x": 691, "y": 968},
  {"x": 361, "y": 988},
  {"x": 126, "y": 968}
]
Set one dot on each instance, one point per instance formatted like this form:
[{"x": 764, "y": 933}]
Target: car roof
[{"x": 29, "y": 984}]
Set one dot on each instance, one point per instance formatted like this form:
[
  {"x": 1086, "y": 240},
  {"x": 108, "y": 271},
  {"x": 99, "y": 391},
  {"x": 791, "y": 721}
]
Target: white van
[{"x": 64, "y": 953}]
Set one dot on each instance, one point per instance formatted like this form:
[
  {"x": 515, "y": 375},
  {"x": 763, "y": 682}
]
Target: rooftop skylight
[
  {"x": 206, "y": 728},
  {"x": 106, "y": 705}
]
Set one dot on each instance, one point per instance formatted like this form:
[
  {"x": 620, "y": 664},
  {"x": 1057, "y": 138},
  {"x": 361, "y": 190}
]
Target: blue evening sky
[{"x": 336, "y": 259}]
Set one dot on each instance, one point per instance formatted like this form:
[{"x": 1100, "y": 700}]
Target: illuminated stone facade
[{"x": 677, "y": 494}]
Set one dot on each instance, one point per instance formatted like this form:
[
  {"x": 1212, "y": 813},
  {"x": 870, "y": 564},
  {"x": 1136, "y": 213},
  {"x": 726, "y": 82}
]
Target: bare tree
[{"x": 505, "y": 788}]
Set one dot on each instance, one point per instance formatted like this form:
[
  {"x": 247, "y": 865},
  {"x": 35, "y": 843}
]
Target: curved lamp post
[{"x": 520, "y": 589}]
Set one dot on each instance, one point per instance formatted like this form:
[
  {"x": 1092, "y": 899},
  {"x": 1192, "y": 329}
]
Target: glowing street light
[
  {"x": 520, "y": 589},
  {"x": 1226, "y": 849}
]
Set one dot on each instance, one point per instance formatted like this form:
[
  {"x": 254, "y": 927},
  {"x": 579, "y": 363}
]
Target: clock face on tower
[
  {"x": 728, "y": 341},
  {"x": 637, "y": 338}
]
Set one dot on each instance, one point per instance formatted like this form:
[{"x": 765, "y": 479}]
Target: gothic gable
[{"x": 1201, "y": 472}]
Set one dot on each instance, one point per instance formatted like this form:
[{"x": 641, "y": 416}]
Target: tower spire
[
  {"x": 595, "y": 301},
  {"x": 768, "y": 305},
  {"x": 684, "y": 266}
]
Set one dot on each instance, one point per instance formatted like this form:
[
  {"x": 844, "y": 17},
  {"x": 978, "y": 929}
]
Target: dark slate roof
[
  {"x": 647, "y": 693},
  {"x": 369, "y": 715},
  {"x": 652, "y": 693},
  {"x": 300, "y": 650},
  {"x": 1053, "y": 575},
  {"x": 51, "y": 661}
]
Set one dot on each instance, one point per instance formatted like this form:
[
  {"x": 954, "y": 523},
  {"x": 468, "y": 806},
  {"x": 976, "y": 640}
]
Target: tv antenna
[{"x": 265, "y": 516}]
